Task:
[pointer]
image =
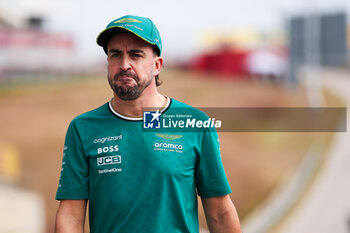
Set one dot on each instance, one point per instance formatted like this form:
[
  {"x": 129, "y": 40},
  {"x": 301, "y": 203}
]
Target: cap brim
[{"x": 106, "y": 34}]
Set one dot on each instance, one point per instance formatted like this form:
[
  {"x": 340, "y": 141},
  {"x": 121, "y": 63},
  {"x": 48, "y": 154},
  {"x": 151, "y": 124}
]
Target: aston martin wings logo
[
  {"x": 169, "y": 136},
  {"x": 128, "y": 20}
]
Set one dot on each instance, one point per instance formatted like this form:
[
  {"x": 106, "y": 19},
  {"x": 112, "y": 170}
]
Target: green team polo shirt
[{"x": 131, "y": 182}]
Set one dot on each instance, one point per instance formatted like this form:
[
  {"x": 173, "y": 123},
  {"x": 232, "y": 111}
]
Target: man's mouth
[{"x": 125, "y": 78}]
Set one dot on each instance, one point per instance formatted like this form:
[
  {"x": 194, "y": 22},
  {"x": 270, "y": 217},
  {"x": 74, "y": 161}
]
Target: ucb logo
[
  {"x": 109, "y": 160},
  {"x": 151, "y": 120}
]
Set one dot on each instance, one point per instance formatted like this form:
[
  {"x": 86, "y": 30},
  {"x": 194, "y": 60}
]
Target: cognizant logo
[{"x": 109, "y": 138}]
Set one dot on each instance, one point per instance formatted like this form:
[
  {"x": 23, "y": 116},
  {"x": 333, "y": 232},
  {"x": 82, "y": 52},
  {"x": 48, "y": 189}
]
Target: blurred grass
[{"x": 35, "y": 116}]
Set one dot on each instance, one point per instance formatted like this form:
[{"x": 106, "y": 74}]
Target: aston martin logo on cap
[
  {"x": 169, "y": 136},
  {"x": 128, "y": 20}
]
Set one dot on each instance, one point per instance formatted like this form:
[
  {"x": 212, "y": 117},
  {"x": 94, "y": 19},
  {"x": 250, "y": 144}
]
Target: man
[{"x": 132, "y": 179}]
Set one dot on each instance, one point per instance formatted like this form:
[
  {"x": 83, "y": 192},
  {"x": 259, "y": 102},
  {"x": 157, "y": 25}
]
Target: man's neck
[{"x": 134, "y": 108}]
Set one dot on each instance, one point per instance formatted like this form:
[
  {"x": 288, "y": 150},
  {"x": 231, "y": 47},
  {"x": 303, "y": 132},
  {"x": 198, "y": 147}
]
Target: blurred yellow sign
[
  {"x": 240, "y": 38},
  {"x": 9, "y": 163}
]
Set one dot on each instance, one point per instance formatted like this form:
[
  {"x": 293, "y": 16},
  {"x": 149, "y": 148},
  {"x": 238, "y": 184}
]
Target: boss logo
[
  {"x": 109, "y": 160},
  {"x": 107, "y": 149}
]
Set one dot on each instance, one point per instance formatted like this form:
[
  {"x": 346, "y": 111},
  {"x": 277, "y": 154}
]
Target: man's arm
[
  {"x": 221, "y": 215},
  {"x": 70, "y": 217}
]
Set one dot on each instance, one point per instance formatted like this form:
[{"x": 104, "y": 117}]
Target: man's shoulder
[
  {"x": 178, "y": 104},
  {"x": 92, "y": 114},
  {"x": 187, "y": 108}
]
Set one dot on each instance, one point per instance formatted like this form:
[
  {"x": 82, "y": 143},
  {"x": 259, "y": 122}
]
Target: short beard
[{"x": 128, "y": 92}]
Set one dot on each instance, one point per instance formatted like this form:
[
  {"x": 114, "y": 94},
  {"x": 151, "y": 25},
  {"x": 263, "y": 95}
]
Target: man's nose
[{"x": 125, "y": 63}]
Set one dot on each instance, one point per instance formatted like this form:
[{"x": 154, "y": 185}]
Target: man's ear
[{"x": 158, "y": 65}]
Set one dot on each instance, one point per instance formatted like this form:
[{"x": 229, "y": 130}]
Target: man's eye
[{"x": 136, "y": 55}]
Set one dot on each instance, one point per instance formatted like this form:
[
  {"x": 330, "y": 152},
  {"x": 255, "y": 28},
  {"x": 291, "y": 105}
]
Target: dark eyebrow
[
  {"x": 130, "y": 51},
  {"x": 114, "y": 51},
  {"x": 136, "y": 51}
]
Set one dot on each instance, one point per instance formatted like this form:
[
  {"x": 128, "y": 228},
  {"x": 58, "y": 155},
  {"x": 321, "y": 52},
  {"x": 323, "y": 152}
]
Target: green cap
[{"x": 140, "y": 26}]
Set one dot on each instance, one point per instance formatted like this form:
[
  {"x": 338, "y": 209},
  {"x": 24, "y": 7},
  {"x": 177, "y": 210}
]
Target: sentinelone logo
[{"x": 151, "y": 120}]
